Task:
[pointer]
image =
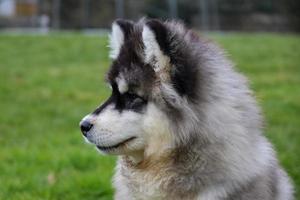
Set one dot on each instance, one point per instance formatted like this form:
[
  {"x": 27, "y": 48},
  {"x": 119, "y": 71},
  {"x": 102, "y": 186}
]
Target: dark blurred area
[{"x": 216, "y": 15}]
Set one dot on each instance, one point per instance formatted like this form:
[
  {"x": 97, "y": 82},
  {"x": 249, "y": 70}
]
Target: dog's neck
[
  {"x": 167, "y": 156},
  {"x": 161, "y": 169},
  {"x": 144, "y": 160},
  {"x": 135, "y": 158}
]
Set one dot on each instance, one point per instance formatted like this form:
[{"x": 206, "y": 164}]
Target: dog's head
[{"x": 153, "y": 77}]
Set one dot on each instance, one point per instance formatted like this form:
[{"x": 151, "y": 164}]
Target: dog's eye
[{"x": 134, "y": 101}]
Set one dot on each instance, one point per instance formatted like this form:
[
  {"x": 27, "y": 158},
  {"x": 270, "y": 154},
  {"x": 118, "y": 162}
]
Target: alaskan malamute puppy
[{"x": 182, "y": 121}]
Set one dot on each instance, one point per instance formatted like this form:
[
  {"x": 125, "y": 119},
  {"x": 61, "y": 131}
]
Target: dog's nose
[{"x": 85, "y": 126}]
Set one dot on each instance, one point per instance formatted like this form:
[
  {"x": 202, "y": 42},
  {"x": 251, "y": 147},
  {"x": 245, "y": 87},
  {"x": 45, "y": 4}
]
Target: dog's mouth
[{"x": 116, "y": 146}]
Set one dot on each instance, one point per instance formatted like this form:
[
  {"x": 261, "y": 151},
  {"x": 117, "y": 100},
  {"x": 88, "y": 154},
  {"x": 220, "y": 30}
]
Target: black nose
[{"x": 85, "y": 126}]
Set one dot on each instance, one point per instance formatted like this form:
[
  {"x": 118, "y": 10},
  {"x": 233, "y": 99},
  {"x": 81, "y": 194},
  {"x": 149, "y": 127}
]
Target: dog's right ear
[
  {"x": 120, "y": 32},
  {"x": 155, "y": 37}
]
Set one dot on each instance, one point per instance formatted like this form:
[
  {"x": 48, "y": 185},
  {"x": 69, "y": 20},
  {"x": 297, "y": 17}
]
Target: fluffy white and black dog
[{"x": 184, "y": 124}]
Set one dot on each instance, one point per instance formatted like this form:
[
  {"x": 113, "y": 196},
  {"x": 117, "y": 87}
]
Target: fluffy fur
[{"x": 183, "y": 122}]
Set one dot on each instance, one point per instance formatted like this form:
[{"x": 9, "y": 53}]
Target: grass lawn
[{"x": 48, "y": 83}]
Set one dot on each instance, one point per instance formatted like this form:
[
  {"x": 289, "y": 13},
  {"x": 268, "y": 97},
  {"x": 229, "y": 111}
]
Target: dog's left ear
[
  {"x": 121, "y": 30},
  {"x": 156, "y": 42}
]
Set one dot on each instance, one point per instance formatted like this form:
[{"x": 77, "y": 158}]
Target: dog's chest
[
  {"x": 138, "y": 185},
  {"x": 145, "y": 185}
]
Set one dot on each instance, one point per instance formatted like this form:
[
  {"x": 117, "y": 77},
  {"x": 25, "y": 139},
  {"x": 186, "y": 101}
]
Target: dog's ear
[
  {"x": 121, "y": 30},
  {"x": 156, "y": 43}
]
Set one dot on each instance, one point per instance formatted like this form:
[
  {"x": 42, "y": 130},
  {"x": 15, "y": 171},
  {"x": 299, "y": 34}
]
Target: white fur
[
  {"x": 156, "y": 130},
  {"x": 286, "y": 187},
  {"x": 116, "y": 41},
  {"x": 122, "y": 84}
]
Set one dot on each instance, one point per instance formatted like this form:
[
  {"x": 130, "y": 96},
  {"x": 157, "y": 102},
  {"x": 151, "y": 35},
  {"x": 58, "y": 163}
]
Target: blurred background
[
  {"x": 53, "y": 59},
  {"x": 219, "y": 15}
]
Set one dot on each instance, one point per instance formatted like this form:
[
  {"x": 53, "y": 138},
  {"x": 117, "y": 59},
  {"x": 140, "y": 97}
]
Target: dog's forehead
[
  {"x": 128, "y": 60},
  {"x": 133, "y": 77},
  {"x": 130, "y": 75}
]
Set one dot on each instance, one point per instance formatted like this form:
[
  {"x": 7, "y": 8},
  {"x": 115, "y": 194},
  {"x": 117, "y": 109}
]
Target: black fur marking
[
  {"x": 184, "y": 78},
  {"x": 126, "y": 101},
  {"x": 109, "y": 101}
]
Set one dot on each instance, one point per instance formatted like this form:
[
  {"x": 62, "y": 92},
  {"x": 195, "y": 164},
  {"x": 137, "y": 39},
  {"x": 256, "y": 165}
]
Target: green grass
[{"x": 48, "y": 83}]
